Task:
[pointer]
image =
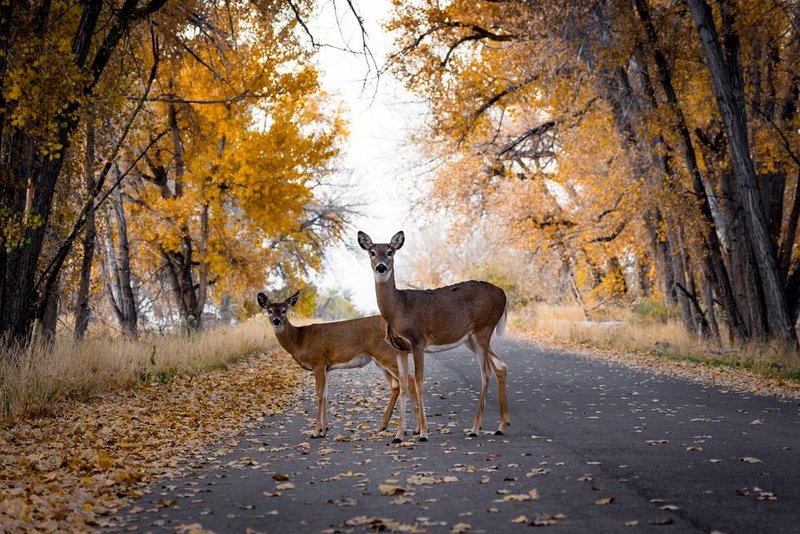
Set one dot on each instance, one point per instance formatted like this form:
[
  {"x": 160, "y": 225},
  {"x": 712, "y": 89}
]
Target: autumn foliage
[
  {"x": 636, "y": 149},
  {"x": 158, "y": 158}
]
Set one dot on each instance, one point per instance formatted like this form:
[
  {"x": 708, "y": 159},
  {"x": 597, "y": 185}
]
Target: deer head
[
  {"x": 277, "y": 310},
  {"x": 381, "y": 255}
]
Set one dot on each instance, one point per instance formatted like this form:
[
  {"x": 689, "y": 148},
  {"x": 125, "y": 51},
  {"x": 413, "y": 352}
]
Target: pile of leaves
[{"x": 72, "y": 470}]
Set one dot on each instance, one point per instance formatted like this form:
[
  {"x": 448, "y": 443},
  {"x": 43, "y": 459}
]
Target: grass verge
[
  {"x": 33, "y": 381},
  {"x": 71, "y": 468},
  {"x": 649, "y": 338}
]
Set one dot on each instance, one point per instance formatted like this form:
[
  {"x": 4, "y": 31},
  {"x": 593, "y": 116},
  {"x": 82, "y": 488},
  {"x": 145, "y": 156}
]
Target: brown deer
[
  {"x": 440, "y": 319},
  {"x": 323, "y": 347}
]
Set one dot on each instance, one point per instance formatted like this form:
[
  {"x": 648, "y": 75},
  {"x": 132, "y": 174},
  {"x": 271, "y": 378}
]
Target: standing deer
[
  {"x": 440, "y": 319},
  {"x": 322, "y": 347}
]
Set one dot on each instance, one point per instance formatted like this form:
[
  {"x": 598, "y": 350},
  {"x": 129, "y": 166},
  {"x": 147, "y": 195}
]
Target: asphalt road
[{"x": 605, "y": 447}]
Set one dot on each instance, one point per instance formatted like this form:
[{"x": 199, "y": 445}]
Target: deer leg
[
  {"x": 419, "y": 380},
  {"x": 325, "y": 425},
  {"x": 319, "y": 383},
  {"x": 412, "y": 391},
  {"x": 394, "y": 383},
  {"x": 402, "y": 366},
  {"x": 500, "y": 373},
  {"x": 480, "y": 352}
]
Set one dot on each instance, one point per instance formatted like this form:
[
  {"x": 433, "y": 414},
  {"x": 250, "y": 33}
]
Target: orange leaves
[{"x": 70, "y": 471}]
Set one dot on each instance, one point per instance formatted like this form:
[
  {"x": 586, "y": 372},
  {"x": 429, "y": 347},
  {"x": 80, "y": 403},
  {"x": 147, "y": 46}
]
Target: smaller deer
[{"x": 323, "y": 347}]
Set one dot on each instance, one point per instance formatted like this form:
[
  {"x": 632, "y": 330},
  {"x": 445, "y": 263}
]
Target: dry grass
[
  {"x": 34, "y": 380},
  {"x": 612, "y": 327},
  {"x": 651, "y": 333}
]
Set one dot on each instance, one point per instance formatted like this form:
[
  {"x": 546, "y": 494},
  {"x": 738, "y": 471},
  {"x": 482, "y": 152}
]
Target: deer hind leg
[
  {"x": 402, "y": 369},
  {"x": 394, "y": 383},
  {"x": 320, "y": 380},
  {"x": 419, "y": 382},
  {"x": 500, "y": 370},
  {"x": 473, "y": 345}
]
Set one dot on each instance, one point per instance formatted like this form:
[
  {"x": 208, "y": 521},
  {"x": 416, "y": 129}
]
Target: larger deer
[
  {"x": 323, "y": 347},
  {"x": 440, "y": 319}
]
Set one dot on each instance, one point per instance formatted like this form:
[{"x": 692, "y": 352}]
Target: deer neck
[
  {"x": 389, "y": 299},
  {"x": 288, "y": 337}
]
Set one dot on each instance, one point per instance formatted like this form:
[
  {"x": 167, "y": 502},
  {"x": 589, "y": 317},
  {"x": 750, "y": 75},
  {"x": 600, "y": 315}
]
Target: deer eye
[
  {"x": 390, "y": 253},
  {"x": 372, "y": 253}
]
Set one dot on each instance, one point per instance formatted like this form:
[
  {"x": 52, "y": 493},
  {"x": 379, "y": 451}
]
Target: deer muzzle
[{"x": 381, "y": 268}]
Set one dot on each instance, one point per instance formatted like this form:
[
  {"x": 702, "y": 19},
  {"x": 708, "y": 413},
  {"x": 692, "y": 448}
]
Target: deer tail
[{"x": 500, "y": 329}]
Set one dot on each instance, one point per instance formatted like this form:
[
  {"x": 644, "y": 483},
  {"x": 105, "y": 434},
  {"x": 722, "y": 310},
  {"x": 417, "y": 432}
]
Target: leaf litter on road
[{"x": 86, "y": 460}]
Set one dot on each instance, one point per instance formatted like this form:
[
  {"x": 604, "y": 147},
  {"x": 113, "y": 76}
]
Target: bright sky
[{"x": 379, "y": 154}]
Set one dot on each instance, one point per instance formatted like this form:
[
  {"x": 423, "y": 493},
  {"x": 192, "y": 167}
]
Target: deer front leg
[
  {"x": 319, "y": 383},
  {"x": 419, "y": 379},
  {"x": 402, "y": 366}
]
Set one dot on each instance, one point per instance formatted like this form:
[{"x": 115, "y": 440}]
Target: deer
[
  {"x": 323, "y": 347},
  {"x": 434, "y": 320}
]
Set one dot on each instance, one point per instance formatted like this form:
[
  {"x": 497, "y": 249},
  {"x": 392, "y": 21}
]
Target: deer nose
[
  {"x": 276, "y": 322},
  {"x": 381, "y": 268}
]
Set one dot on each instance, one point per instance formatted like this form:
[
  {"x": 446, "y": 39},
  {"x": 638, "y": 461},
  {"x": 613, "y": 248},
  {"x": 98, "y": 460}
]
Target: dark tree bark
[
  {"x": 90, "y": 235},
  {"x": 724, "y": 67},
  {"x": 712, "y": 263},
  {"x": 30, "y": 194}
]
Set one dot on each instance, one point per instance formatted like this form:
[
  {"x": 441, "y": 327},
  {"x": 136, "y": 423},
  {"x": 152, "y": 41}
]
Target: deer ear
[
  {"x": 263, "y": 300},
  {"x": 364, "y": 241},
  {"x": 397, "y": 240},
  {"x": 293, "y": 299}
]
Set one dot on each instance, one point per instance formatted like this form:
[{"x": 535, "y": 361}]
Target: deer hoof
[
  {"x": 472, "y": 434},
  {"x": 397, "y": 440},
  {"x": 498, "y": 432},
  {"x": 316, "y": 436},
  {"x": 423, "y": 439}
]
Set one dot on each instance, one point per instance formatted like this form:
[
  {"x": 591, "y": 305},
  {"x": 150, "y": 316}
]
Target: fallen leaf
[
  {"x": 520, "y": 519},
  {"x": 536, "y": 471},
  {"x": 389, "y": 489},
  {"x": 750, "y": 460},
  {"x": 661, "y": 521},
  {"x": 458, "y": 528},
  {"x": 604, "y": 501},
  {"x": 280, "y": 477}
]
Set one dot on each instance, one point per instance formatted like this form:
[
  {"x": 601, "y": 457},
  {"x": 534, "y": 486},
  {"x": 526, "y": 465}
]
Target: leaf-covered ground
[
  {"x": 593, "y": 447},
  {"x": 72, "y": 470}
]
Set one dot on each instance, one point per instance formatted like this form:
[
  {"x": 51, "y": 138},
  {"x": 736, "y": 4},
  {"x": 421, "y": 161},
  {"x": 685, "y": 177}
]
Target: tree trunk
[
  {"x": 20, "y": 305},
  {"x": 712, "y": 262},
  {"x": 82, "y": 304},
  {"x": 116, "y": 270},
  {"x": 726, "y": 79}
]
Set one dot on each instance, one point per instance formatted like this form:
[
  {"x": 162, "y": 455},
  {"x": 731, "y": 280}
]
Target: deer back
[{"x": 446, "y": 315}]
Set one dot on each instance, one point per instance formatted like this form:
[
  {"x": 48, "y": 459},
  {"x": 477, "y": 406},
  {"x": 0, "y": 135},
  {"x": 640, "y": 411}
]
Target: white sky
[{"x": 379, "y": 154}]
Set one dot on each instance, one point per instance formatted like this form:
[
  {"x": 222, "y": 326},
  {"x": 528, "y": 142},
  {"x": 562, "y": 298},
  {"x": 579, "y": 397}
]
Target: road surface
[{"x": 593, "y": 447}]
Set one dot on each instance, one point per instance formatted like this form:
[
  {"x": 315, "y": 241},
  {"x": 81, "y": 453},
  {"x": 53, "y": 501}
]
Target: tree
[{"x": 599, "y": 108}]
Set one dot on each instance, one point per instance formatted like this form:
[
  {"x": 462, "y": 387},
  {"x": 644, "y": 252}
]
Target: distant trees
[
  {"x": 635, "y": 136},
  {"x": 162, "y": 153}
]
